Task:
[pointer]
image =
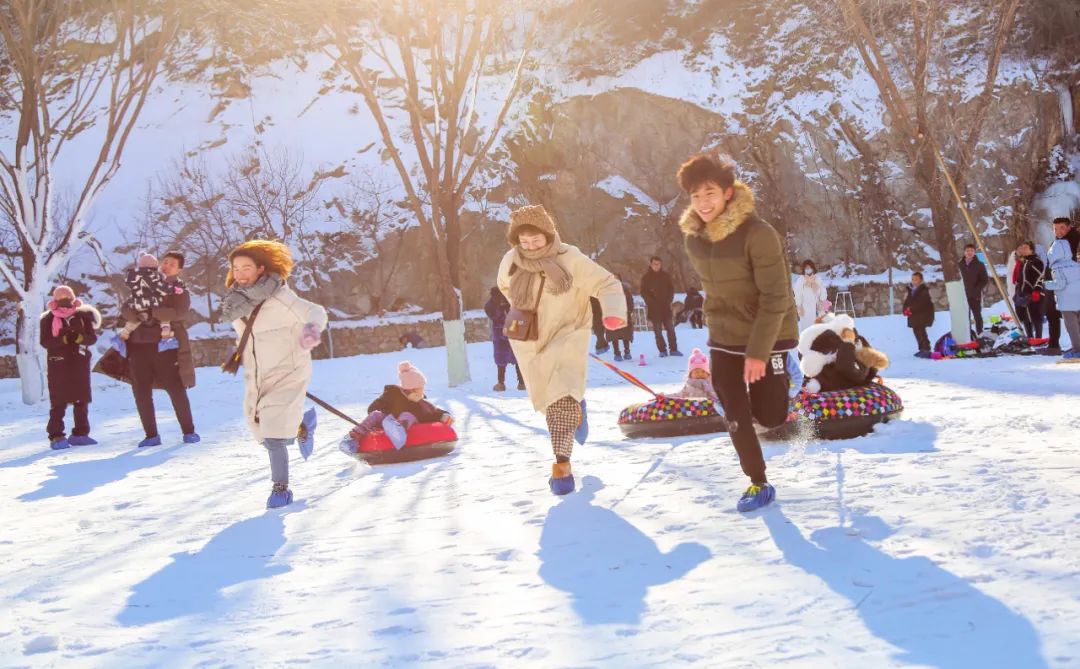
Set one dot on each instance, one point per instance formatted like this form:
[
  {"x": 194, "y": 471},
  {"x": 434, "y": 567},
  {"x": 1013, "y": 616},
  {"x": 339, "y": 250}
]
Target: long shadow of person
[
  {"x": 193, "y": 582},
  {"x": 605, "y": 563},
  {"x": 78, "y": 478},
  {"x": 936, "y": 618}
]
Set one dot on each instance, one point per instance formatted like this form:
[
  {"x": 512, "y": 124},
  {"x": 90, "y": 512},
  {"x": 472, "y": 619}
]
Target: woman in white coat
[
  {"x": 277, "y": 356},
  {"x": 810, "y": 295},
  {"x": 540, "y": 273}
]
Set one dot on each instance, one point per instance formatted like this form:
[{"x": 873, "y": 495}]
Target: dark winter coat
[
  {"x": 1030, "y": 276},
  {"x": 847, "y": 371},
  {"x": 496, "y": 309},
  {"x": 174, "y": 311},
  {"x": 749, "y": 306},
  {"x": 1073, "y": 237},
  {"x": 625, "y": 333},
  {"x": 921, "y": 306},
  {"x": 658, "y": 293},
  {"x": 975, "y": 279},
  {"x": 68, "y": 354},
  {"x": 393, "y": 402},
  {"x": 694, "y": 300}
]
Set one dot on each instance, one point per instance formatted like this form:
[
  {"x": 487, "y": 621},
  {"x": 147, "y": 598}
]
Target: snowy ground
[{"x": 949, "y": 539}]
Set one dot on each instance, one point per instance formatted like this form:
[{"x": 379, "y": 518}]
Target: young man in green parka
[{"x": 749, "y": 308}]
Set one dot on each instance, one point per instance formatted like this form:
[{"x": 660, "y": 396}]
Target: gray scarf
[
  {"x": 240, "y": 301},
  {"x": 530, "y": 264}
]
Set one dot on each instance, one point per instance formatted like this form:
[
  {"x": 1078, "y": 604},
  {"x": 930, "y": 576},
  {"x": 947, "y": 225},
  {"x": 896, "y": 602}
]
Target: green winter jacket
[{"x": 749, "y": 306}]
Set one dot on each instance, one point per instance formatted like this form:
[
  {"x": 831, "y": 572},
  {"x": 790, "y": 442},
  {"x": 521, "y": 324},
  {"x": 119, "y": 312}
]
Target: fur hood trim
[
  {"x": 83, "y": 309},
  {"x": 871, "y": 357},
  {"x": 814, "y": 361},
  {"x": 737, "y": 211}
]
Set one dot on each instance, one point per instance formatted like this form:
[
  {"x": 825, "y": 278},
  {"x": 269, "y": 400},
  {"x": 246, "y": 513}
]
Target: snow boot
[
  {"x": 499, "y": 387},
  {"x": 756, "y": 496},
  {"x": 395, "y": 431},
  {"x": 192, "y": 438},
  {"x": 663, "y": 354},
  {"x": 280, "y": 496},
  {"x": 676, "y": 352},
  {"x": 561, "y": 481},
  {"x": 82, "y": 440},
  {"x": 582, "y": 431},
  {"x": 618, "y": 357},
  {"x": 305, "y": 434},
  {"x": 59, "y": 444},
  {"x": 150, "y": 441}
]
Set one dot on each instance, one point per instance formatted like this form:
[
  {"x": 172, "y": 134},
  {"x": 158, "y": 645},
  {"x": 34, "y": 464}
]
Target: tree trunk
[
  {"x": 29, "y": 356},
  {"x": 457, "y": 361}
]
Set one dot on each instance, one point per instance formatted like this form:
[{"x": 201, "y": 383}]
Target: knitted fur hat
[
  {"x": 410, "y": 377},
  {"x": 148, "y": 261},
  {"x": 534, "y": 215},
  {"x": 698, "y": 360},
  {"x": 60, "y": 292}
]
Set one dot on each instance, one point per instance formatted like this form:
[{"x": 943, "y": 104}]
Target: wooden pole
[{"x": 971, "y": 226}]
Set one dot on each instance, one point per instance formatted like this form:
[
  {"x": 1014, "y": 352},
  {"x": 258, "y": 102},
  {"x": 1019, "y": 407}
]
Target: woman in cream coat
[
  {"x": 277, "y": 357},
  {"x": 555, "y": 364}
]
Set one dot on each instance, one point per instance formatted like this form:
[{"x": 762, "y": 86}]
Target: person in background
[
  {"x": 1028, "y": 276},
  {"x": 973, "y": 272},
  {"x": 658, "y": 292},
  {"x": 598, "y": 327},
  {"x": 624, "y": 335},
  {"x": 695, "y": 308},
  {"x": 496, "y": 309},
  {"x": 68, "y": 329},
  {"x": 1064, "y": 280},
  {"x": 919, "y": 309},
  {"x": 810, "y": 295}
]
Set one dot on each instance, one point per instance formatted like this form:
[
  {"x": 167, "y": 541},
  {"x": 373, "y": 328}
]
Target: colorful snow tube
[
  {"x": 671, "y": 417},
  {"x": 846, "y": 414},
  {"x": 425, "y": 440}
]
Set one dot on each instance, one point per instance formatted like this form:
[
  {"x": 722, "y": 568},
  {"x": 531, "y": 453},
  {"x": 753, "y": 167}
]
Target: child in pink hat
[
  {"x": 397, "y": 409},
  {"x": 698, "y": 383}
]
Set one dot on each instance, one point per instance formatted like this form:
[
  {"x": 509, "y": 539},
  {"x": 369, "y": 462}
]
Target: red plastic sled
[{"x": 425, "y": 440}]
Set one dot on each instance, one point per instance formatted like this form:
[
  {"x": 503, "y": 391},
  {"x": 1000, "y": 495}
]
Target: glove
[
  {"x": 907, "y": 312},
  {"x": 614, "y": 323},
  {"x": 310, "y": 337},
  {"x": 447, "y": 419},
  {"x": 1036, "y": 296}
]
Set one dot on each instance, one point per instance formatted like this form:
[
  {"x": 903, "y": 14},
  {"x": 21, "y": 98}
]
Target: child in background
[
  {"x": 397, "y": 409},
  {"x": 148, "y": 290}
]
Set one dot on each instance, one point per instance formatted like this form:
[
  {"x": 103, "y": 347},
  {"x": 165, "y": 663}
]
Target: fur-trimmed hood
[
  {"x": 818, "y": 351},
  {"x": 737, "y": 211},
  {"x": 83, "y": 309}
]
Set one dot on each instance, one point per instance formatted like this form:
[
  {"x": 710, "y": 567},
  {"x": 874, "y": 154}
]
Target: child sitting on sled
[
  {"x": 397, "y": 409},
  {"x": 698, "y": 384}
]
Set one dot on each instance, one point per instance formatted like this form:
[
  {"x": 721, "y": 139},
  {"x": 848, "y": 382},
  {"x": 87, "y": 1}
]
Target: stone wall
[
  {"x": 348, "y": 341},
  {"x": 872, "y": 299}
]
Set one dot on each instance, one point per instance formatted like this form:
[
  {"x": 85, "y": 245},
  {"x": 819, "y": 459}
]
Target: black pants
[
  {"x": 56, "y": 419},
  {"x": 921, "y": 337},
  {"x": 626, "y": 346},
  {"x": 697, "y": 319},
  {"x": 766, "y": 401},
  {"x": 975, "y": 307},
  {"x": 502, "y": 374},
  {"x": 1053, "y": 319},
  {"x": 1031, "y": 317},
  {"x": 148, "y": 366},
  {"x": 661, "y": 324}
]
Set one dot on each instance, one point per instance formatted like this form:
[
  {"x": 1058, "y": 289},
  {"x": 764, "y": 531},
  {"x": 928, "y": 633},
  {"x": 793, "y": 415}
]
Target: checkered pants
[{"x": 563, "y": 418}]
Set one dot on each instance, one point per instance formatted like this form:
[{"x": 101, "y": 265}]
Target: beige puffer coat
[
  {"x": 276, "y": 369},
  {"x": 557, "y": 363}
]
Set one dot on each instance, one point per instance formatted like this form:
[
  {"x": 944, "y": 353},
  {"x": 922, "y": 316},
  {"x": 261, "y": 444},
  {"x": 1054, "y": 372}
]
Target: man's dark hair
[
  {"x": 1063, "y": 219},
  {"x": 705, "y": 169},
  {"x": 916, "y": 274},
  {"x": 177, "y": 255},
  {"x": 1028, "y": 243},
  {"x": 968, "y": 246},
  {"x": 656, "y": 258}
]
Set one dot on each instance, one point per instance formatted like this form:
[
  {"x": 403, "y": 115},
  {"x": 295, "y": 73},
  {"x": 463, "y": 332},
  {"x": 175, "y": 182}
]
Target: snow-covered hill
[{"x": 947, "y": 539}]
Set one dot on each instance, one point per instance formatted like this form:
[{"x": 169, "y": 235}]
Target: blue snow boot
[
  {"x": 756, "y": 496},
  {"x": 82, "y": 440},
  {"x": 676, "y": 352},
  {"x": 582, "y": 431},
  {"x": 192, "y": 438},
  {"x": 663, "y": 354},
  {"x": 150, "y": 441},
  {"x": 561, "y": 481},
  {"x": 280, "y": 496},
  {"x": 59, "y": 444},
  {"x": 618, "y": 357},
  {"x": 305, "y": 434}
]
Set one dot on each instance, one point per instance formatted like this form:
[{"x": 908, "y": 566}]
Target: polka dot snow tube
[
  {"x": 671, "y": 417},
  {"x": 846, "y": 414}
]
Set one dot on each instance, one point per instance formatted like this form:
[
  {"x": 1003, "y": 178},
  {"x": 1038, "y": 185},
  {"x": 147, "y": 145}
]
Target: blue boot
[
  {"x": 150, "y": 441},
  {"x": 305, "y": 434},
  {"x": 756, "y": 496},
  {"x": 280, "y": 496},
  {"x": 82, "y": 440},
  {"x": 582, "y": 431},
  {"x": 59, "y": 444},
  {"x": 561, "y": 481},
  {"x": 192, "y": 438}
]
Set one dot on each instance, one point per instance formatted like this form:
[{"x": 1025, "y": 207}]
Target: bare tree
[
  {"x": 904, "y": 46},
  {"x": 431, "y": 58},
  {"x": 380, "y": 224},
  {"x": 67, "y": 70}
]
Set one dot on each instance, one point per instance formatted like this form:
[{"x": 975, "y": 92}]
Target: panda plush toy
[{"x": 836, "y": 357}]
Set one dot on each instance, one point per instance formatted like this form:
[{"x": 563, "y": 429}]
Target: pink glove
[
  {"x": 614, "y": 322},
  {"x": 310, "y": 337}
]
